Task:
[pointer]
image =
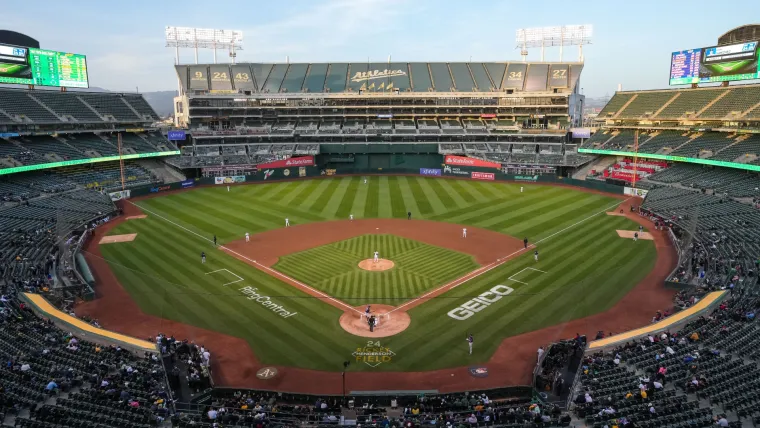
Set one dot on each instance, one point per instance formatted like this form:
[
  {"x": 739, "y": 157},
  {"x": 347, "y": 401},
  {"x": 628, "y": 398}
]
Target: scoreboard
[
  {"x": 715, "y": 64},
  {"x": 31, "y": 66}
]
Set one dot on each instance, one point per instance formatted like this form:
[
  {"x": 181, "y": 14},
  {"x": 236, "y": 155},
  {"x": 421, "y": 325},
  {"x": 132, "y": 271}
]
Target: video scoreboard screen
[
  {"x": 31, "y": 66},
  {"x": 715, "y": 64}
]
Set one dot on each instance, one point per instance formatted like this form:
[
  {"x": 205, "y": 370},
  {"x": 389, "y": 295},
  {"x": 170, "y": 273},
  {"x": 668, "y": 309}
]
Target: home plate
[
  {"x": 135, "y": 217},
  {"x": 628, "y": 234},
  {"x": 118, "y": 238}
]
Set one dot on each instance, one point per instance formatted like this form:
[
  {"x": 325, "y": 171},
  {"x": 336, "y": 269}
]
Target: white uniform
[
  {"x": 247, "y": 237},
  {"x": 365, "y": 181},
  {"x": 287, "y": 222},
  {"x": 228, "y": 188},
  {"x": 535, "y": 256},
  {"x": 469, "y": 342},
  {"x": 521, "y": 189},
  {"x": 464, "y": 233},
  {"x": 350, "y": 216},
  {"x": 377, "y": 257}
]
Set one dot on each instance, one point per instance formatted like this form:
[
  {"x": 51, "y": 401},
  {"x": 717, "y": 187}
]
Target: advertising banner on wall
[
  {"x": 532, "y": 178},
  {"x": 631, "y": 191},
  {"x": 453, "y": 170},
  {"x": 289, "y": 163},
  {"x": 483, "y": 175},
  {"x": 465, "y": 161},
  {"x": 230, "y": 180},
  {"x": 430, "y": 171},
  {"x": 121, "y": 194},
  {"x": 187, "y": 183},
  {"x": 581, "y": 132},
  {"x": 176, "y": 135}
]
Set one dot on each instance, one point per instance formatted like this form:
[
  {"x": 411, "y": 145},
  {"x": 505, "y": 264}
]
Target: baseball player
[
  {"x": 635, "y": 236},
  {"x": 377, "y": 257},
  {"x": 247, "y": 237},
  {"x": 525, "y": 242},
  {"x": 365, "y": 181},
  {"x": 351, "y": 217},
  {"x": 521, "y": 189},
  {"x": 228, "y": 188},
  {"x": 367, "y": 311},
  {"x": 464, "y": 232},
  {"x": 641, "y": 228},
  {"x": 215, "y": 240},
  {"x": 287, "y": 222},
  {"x": 470, "y": 340},
  {"x": 409, "y": 215},
  {"x": 203, "y": 257},
  {"x": 535, "y": 255}
]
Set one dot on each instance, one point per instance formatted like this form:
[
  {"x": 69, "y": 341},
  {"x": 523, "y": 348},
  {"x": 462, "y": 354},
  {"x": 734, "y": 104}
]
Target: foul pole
[{"x": 635, "y": 157}]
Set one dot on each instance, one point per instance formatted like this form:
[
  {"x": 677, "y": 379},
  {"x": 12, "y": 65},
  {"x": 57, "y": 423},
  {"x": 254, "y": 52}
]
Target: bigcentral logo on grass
[{"x": 373, "y": 354}]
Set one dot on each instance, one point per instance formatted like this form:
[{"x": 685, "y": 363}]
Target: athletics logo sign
[{"x": 373, "y": 354}]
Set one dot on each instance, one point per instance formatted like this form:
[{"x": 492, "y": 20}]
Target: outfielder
[
  {"x": 351, "y": 217},
  {"x": 287, "y": 222},
  {"x": 464, "y": 233},
  {"x": 377, "y": 257},
  {"x": 470, "y": 340},
  {"x": 365, "y": 181},
  {"x": 247, "y": 237},
  {"x": 203, "y": 257},
  {"x": 228, "y": 188},
  {"x": 535, "y": 255},
  {"x": 521, "y": 189}
]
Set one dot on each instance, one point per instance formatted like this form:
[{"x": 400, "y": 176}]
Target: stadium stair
[
  {"x": 664, "y": 106},
  {"x": 622, "y": 109},
  {"x": 44, "y": 106},
  {"x": 91, "y": 108},
  {"x": 754, "y": 107},
  {"x": 711, "y": 103}
]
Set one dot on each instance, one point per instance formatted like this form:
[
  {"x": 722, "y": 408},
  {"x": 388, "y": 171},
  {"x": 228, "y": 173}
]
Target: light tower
[
  {"x": 544, "y": 37},
  {"x": 203, "y": 38}
]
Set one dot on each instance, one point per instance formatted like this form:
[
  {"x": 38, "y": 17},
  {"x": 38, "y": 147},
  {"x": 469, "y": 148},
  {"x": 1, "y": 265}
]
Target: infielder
[
  {"x": 535, "y": 255},
  {"x": 470, "y": 340},
  {"x": 247, "y": 237},
  {"x": 287, "y": 222},
  {"x": 641, "y": 228},
  {"x": 351, "y": 217},
  {"x": 377, "y": 257},
  {"x": 635, "y": 236},
  {"x": 203, "y": 257},
  {"x": 464, "y": 233},
  {"x": 215, "y": 240},
  {"x": 367, "y": 311}
]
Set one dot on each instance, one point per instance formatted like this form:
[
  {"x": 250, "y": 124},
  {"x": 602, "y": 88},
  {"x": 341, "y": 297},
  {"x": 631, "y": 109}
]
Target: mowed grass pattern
[
  {"x": 588, "y": 267},
  {"x": 334, "y": 268}
]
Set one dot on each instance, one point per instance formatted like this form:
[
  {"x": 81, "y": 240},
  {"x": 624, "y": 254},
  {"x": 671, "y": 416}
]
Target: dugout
[{"x": 357, "y": 158}]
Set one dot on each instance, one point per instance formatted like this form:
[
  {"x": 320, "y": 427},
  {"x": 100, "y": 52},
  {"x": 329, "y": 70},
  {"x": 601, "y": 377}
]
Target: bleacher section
[
  {"x": 732, "y": 182},
  {"x": 53, "y": 107},
  {"x": 30, "y": 150}
]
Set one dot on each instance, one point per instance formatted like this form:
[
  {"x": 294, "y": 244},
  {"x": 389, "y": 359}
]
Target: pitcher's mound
[
  {"x": 377, "y": 266},
  {"x": 110, "y": 239},
  {"x": 629, "y": 234},
  {"x": 387, "y": 324}
]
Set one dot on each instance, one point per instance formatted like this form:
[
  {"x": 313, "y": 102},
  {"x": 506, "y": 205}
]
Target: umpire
[{"x": 525, "y": 242}]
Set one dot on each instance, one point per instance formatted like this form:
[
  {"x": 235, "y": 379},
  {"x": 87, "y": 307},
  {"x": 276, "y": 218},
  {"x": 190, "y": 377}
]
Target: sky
[{"x": 125, "y": 47}]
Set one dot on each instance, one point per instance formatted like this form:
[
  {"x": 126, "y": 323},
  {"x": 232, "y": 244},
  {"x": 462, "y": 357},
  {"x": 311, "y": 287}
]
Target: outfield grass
[
  {"x": 418, "y": 268},
  {"x": 587, "y": 266}
]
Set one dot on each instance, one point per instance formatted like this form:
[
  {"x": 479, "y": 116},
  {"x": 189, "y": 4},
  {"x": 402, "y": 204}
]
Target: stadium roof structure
[{"x": 352, "y": 79}]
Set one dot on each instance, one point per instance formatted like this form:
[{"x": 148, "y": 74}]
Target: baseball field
[{"x": 286, "y": 290}]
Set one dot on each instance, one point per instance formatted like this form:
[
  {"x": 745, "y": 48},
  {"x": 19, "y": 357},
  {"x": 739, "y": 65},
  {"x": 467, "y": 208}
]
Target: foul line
[
  {"x": 239, "y": 278},
  {"x": 253, "y": 262},
  {"x": 477, "y": 272}
]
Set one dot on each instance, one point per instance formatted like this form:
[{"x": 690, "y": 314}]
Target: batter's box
[
  {"x": 239, "y": 278},
  {"x": 512, "y": 278}
]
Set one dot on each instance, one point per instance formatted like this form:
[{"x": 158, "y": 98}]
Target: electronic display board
[
  {"x": 715, "y": 64},
  {"x": 31, "y": 66}
]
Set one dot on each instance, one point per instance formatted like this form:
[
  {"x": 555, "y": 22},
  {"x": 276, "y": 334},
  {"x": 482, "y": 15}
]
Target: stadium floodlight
[
  {"x": 543, "y": 37},
  {"x": 203, "y": 38}
]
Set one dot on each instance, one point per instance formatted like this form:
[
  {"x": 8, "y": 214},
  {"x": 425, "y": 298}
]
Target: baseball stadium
[{"x": 380, "y": 244}]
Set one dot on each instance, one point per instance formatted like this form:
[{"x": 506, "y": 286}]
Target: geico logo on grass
[{"x": 469, "y": 308}]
